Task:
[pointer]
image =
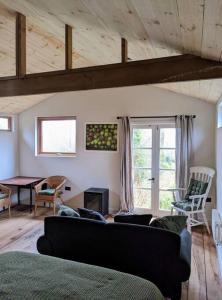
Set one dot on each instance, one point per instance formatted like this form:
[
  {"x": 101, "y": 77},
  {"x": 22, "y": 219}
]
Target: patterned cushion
[
  {"x": 3, "y": 195},
  {"x": 196, "y": 187},
  {"x": 185, "y": 205},
  {"x": 49, "y": 192}
]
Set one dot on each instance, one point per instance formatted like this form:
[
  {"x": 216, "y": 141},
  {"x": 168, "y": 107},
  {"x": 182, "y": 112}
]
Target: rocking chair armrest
[{"x": 197, "y": 196}]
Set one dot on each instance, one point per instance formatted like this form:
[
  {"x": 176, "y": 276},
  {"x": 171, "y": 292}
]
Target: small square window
[
  {"x": 56, "y": 136},
  {"x": 6, "y": 123}
]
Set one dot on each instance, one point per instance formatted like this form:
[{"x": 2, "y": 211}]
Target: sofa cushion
[
  {"x": 67, "y": 211},
  {"x": 196, "y": 187},
  {"x": 49, "y": 192},
  {"x": 91, "y": 214},
  {"x": 186, "y": 205},
  {"x": 172, "y": 223},
  {"x": 133, "y": 219}
]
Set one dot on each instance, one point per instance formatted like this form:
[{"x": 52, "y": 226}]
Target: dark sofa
[{"x": 161, "y": 256}]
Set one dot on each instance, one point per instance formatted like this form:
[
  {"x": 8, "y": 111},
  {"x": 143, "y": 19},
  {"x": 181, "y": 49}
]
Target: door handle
[{"x": 151, "y": 179}]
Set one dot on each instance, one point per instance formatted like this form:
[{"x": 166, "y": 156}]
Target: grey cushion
[
  {"x": 172, "y": 223},
  {"x": 67, "y": 211},
  {"x": 91, "y": 214}
]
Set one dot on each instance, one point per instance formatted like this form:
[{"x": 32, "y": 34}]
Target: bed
[{"x": 35, "y": 276}]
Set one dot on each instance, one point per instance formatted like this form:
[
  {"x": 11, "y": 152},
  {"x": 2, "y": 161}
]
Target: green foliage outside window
[{"x": 142, "y": 159}]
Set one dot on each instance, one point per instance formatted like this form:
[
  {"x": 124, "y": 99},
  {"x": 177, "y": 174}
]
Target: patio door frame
[{"x": 155, "y": 125}]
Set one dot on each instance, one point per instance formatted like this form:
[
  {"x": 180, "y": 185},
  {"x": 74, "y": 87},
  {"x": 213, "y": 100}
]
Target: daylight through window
[
  {"x": 6, "y": 123},
  {"x": 56, "y": 136}
]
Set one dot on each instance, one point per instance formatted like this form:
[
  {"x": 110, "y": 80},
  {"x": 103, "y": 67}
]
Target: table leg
[
  {"x": 18, "y": 195},
  {"x": 30, "y": 198}
]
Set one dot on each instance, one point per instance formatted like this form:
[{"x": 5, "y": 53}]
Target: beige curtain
[
  {"x": 126, "y": 196},
  {"x": 184, "y": 152}
]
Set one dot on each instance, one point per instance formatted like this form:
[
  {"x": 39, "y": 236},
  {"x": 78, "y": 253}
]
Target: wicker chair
[
  {"x": 5, "y": 198},
  {"x": 51, "y": 193}
]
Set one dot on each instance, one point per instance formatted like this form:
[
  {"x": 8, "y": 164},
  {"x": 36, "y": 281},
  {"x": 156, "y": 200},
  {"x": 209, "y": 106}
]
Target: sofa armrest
[
  {"x": 185, "y": 253},
  {"x": 44, "y": 246}
]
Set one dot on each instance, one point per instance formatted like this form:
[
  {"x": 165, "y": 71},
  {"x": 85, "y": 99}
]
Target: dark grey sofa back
[{"x": 148, "y": 252}]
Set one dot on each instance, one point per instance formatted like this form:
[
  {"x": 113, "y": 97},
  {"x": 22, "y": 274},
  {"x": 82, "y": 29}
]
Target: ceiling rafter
[
  {"x": 68, "y": 47},
  {"x": 124, "y": 50},
  {"x": 99, "y": 26},
  {"x": 20, "y": 37}
]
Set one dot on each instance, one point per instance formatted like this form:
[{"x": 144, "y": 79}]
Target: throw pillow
[
  {"x": 172, "y": 223},
  {"x": 67, "y": 211},
  {"x": 91, "y": 214},
  {"x": 133, "y": 219}
]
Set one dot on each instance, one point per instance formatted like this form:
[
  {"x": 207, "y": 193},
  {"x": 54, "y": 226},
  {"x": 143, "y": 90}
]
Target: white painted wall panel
[{"x": 101, "y": 169}]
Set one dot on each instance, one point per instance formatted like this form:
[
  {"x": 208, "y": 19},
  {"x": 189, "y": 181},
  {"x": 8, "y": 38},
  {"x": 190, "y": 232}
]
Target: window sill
[{"x": 56, "y": 155}]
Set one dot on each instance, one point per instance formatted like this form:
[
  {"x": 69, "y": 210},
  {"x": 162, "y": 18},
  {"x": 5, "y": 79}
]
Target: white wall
[
  {"x": 102, "y": 169},
  {"x": 219, "y": 171},
  {"x": 219, "y": 157},
  {"x": 9, "y": 151}
]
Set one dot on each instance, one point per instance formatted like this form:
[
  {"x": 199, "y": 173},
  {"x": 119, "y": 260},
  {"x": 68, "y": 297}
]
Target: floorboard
[
  {"x": 22, "y": 230},
  {"x": 197, "y": 281},
  {"x": 213, "y": 282}
]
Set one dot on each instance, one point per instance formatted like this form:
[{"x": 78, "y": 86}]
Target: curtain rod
[{"x": 157, "y": 117}]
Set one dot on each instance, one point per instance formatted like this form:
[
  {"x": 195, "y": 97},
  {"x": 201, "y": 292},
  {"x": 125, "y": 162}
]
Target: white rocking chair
[{"x": 197, "y": 192}]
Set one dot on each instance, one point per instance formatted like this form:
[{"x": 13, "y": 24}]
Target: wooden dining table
[{"x": 22, "y": 182}]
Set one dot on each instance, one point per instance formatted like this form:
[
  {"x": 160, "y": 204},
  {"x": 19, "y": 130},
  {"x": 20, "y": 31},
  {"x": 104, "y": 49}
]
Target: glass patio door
[{"x": 153, "y": 151}]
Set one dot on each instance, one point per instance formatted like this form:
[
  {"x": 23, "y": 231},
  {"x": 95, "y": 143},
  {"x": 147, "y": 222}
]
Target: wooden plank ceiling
[{"x": 153, "y": 28}]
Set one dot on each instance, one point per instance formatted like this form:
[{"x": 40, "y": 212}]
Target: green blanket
[{"x": 30, "y": 276}]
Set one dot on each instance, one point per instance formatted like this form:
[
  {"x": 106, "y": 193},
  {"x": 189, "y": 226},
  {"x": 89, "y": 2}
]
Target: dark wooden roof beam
[{"x": 151, "y": 71}]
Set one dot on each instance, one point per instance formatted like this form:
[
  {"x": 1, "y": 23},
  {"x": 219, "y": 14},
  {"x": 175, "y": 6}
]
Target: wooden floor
[
  {"x": 204, "y": 282},
  {"x": 23, "y": 229}
]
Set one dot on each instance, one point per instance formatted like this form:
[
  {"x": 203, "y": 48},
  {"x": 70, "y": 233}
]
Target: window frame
[
  {"x": 9, "y": 123},
  {"x": 38, "y": 141},
  {"x": 156, "y": 124}
]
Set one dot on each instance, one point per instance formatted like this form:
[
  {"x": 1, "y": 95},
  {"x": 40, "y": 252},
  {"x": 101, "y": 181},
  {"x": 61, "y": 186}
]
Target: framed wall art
[{"x": 101, "y": 136}]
